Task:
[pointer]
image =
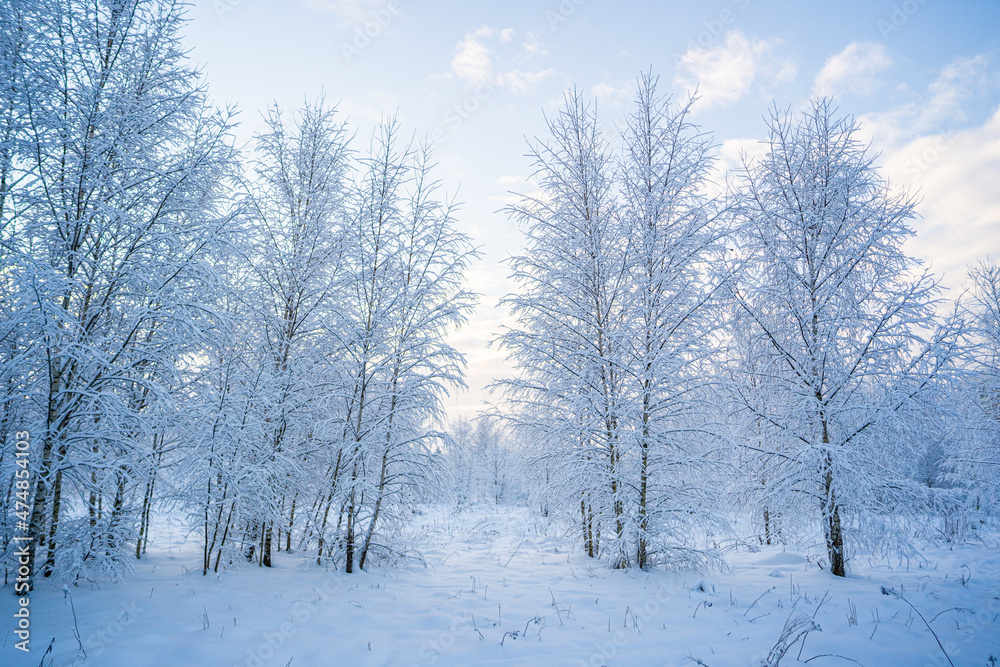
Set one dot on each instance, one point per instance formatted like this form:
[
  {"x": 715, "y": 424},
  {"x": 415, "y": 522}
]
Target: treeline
[
  {"x": 771, "y": 352},
  {"x": 256, "y": 339}
]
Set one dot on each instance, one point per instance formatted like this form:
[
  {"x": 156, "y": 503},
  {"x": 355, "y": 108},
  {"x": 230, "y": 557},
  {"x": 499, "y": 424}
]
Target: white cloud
[
  {"x": 726, "y": 73},
  {"x": 855, "y": 69},
  {"x": 533, "y": 46},
  {"x": 521, "y": 81},
  {"x": 613, "y": 96},
  {"x": 508, "y": 182},
  {"x": 938, "y": 108},
  {"x": 953, "y": 171},
  {"x": 488, "y": 56},
  {"x": 730, "y": 156},
  {"x": 955, "y": 175},
  {"x": 473, "y": 61},
  {"x": 512, "y": 188},
  {"x": 955, "y": 84},
  {"x": 734, "y": 152}
]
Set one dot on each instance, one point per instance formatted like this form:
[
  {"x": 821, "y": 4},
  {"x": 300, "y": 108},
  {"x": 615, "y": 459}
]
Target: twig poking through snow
[
  {"x": 963, "y": 609},
  {"x": 515, "y": 552},
  {"x": 695, "y": 660},
  {"x": 752, "y": 604},
  {"x": 936, "y": 638},
  {"x": 795, "y": 629},
  {"x": 76, "y": 626},
  {"x": 833, "y": 655},
  {"x": 47, "y": 651},
  {"x": 821, "y": 602}
]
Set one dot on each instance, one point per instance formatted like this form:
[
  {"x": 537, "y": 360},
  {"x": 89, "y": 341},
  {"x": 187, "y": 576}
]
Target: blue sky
[{"x": 475, "y": 77}]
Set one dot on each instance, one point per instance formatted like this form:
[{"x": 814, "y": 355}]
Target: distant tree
[
  {"x": 460, "y": 462},
  {"x": 494, "y": 470}
]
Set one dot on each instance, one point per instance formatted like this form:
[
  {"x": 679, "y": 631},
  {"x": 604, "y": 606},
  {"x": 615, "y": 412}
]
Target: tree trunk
[
  {"x": 641, "y": 556},
  {"x": 50, "y": 558},
  {"x": 225, "y": 533},
  {"x": 349, "y": 546},
  {"x": 590, "y": 535},
  {"x": 322, "y": 528},
  {"x": 265, "y": 545},
  {"x": 206, "y": 551},
  {"x": 291, "y": 522},
  {"x": 375, "y": 512},
  {"x": 620, "y": 560},
  {"x": 831, "y": 521},
  {"x": 835, "y": 543},
  {"x": 37, "y": 527},
  {"x": 147, "y": 499}
]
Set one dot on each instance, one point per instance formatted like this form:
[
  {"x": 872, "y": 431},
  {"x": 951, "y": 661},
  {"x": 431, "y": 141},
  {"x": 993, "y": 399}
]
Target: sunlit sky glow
[{"x": 475, "y": 78}]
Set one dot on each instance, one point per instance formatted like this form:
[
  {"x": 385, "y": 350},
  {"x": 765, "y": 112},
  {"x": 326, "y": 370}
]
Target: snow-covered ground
[{"x": 501, "y": 587}]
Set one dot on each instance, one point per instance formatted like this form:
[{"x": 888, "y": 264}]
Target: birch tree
[
  {"x": 126, "y": 163},
  {"x": 843, "y": 324},
  {"x": 297, "y": 201},
  {"x": 569, "y": 343},
  {"x": 975, "y": 462},
  {"x": 430, "y": 301},
  {"x": 403, "y": 291},
  {"x": 674, "y": 232},
  {"x": 616, "y": 330}
]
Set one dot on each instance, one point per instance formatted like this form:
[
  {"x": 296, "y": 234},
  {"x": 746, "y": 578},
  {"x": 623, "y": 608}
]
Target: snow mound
[
  {"x": 705, "y": 586},
  {"x": 783, "y": 558}
]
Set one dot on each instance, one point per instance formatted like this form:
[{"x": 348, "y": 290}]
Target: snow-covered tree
[
  {"x": 297, "y": 207},
  {"x": 403, "y": 290},
  {"x": 18, "y": 326},
  {"x": 482, "y": 463},
  {"x": 568, "y": 346},
  {"x": 841, "y": 323},
  {"x": 268, "y": 350},
  {"x": 975, "y": 463},
  {"x": 615, "y": 327},
  {"x": 456, "y": 471},
  {"x": 674, "y": 233},
  {"x": 218, "y": 477},
  {"x": 117, "y": 206}
]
